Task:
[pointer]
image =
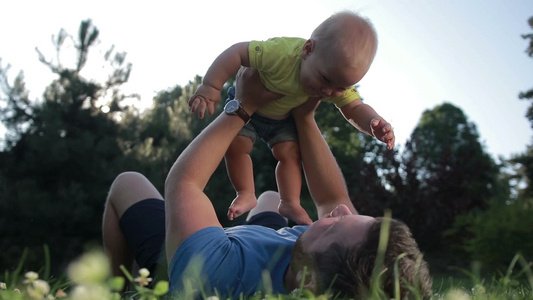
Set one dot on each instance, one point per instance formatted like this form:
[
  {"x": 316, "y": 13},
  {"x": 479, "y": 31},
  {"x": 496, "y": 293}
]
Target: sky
[{"x": 468, "y": 53}]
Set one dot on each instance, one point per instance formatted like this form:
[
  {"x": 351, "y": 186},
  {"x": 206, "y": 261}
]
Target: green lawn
[{"x": 89, "y": 278}]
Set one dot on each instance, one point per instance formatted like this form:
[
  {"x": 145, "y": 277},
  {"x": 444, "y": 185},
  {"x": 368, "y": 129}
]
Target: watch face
[{"x": 232, "y": 106}]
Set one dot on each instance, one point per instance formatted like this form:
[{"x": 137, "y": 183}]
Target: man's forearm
[
  {"x": 187, "y": 208},
  {"x": 324, "y": 178},
  {"x": 199, "y": 160}
]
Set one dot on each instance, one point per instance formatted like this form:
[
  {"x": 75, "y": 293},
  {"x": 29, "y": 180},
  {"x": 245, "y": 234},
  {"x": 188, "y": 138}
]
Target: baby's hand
[
  {"x": 205, "y": 97},
  {"x": 382, "y": 130}
]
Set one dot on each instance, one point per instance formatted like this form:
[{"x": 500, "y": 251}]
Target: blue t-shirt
[{"x": 233, "y": 260}]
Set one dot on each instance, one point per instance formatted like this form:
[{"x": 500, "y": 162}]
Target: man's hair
[
  {"x": 348, "y": 271},
  {"x": 350, "y": 33}
]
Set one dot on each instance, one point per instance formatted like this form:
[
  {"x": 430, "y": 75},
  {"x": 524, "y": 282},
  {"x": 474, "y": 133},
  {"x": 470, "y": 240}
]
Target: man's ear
[
  {"x": 309, "y": 282},
  {"x": 308, "y": 48}
]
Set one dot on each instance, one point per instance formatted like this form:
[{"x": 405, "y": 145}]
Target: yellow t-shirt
[{"x": 278, "y": 61}]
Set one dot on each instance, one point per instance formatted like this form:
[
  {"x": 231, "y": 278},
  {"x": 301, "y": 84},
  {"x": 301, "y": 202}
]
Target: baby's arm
[
  {"x": 225, "y": 65},
  {"x": 363, "y": 117}
]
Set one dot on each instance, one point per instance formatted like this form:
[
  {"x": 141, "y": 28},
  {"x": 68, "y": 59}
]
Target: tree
[
  {"x": 61, "y": 155},
  {"x": 495, "y": 235},
  {"x": 450, "y": 170},
  {"x": 526, "y": 159},
  {"x": 529, "y": 94}
]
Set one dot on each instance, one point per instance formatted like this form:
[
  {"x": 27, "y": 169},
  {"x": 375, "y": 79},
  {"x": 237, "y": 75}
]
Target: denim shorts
[{"x": 269, "y": 130}]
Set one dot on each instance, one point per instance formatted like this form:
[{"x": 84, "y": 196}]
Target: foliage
[
  {"x": 492, "y": 236},
  {"x": 451, "y": 172},
  {"x": 529, "y": 94},
  {"x": 158, "y": 135},
  {"x": 60, "y": 154},
  {"x": 526, "y": 159},
  {"x": 496, "y": 234}
]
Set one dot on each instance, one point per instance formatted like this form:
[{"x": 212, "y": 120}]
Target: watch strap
[{"x": 243, "y": 114}]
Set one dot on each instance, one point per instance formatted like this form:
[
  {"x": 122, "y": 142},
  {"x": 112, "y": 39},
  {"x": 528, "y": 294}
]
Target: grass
[{"x": 89, "y": 278}]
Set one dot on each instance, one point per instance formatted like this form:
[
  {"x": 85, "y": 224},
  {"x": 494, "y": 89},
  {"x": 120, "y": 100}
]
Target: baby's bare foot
[
  {"x": 241, "y": 204},
  {"x": 294, "y": 212}
]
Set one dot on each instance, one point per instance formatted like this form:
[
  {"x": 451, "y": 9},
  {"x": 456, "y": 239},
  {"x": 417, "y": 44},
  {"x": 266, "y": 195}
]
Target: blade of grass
[
  {"x": 507, "y": 279},
  {"x": 267, "y": 282},
  {"x": 17, "y": 271},
  {"x": 397, "y": 277},
  {"x": 126, "y": 273},
  {"x": 380, "y": 257},
  {"x": 527, "y": 269},
  {"x": 46, "y": 262}
]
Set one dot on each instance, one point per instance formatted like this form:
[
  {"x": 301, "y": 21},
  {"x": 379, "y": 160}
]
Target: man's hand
[
  {"x": 251, "y": 91},
  {"x": 307, "y": 109},
  {"x": 205, "y": 97},
  {"x": 382, "y": 130}
]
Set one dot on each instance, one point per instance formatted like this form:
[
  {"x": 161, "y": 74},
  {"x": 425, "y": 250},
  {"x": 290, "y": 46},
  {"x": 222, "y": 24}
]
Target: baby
[{"x": 326, "y": 66}]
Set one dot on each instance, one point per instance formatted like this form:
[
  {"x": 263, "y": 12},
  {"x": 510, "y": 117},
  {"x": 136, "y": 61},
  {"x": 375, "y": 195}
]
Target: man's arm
[
  {"x": 324, "y": 178},
  {"x": 187, "y": 208}
]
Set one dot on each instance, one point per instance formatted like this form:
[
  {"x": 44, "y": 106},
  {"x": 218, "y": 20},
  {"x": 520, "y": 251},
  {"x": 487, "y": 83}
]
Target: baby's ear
[
  {"x": 308, "y": 48},
  {"x": 309, "y": 282}
]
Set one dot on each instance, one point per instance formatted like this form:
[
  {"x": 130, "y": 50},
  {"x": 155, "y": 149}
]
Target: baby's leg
[
  {"x": 289, "y": 179},
  {"x": 241, "y": 175}
]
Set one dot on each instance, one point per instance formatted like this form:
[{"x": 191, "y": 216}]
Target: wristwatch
[{"x": 233, "y": 107}]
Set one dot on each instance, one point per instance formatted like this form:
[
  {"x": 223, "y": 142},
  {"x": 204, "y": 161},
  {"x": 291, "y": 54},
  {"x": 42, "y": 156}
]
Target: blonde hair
[{"x": 351, "y": 34}]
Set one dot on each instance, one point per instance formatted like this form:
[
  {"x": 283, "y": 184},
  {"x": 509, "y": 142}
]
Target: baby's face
[{"x": 327, "y": 73}]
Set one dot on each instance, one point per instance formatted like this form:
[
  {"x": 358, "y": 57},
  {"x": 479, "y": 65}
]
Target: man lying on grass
[{"x": 334, "y": 255}]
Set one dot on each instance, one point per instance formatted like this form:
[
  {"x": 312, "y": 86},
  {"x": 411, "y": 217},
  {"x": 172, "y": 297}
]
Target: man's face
[
  {"x": 341, "y": 227},
  {"x": 326, "y": 74}
]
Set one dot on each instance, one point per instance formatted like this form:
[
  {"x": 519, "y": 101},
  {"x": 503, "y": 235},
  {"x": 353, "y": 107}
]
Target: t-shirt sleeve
[
  {"x": 271, "y": 57},
  {"x": 348, "y": 96},
  {"x": 207, "y": 252},
  {"x": 255, "y": 53}
]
